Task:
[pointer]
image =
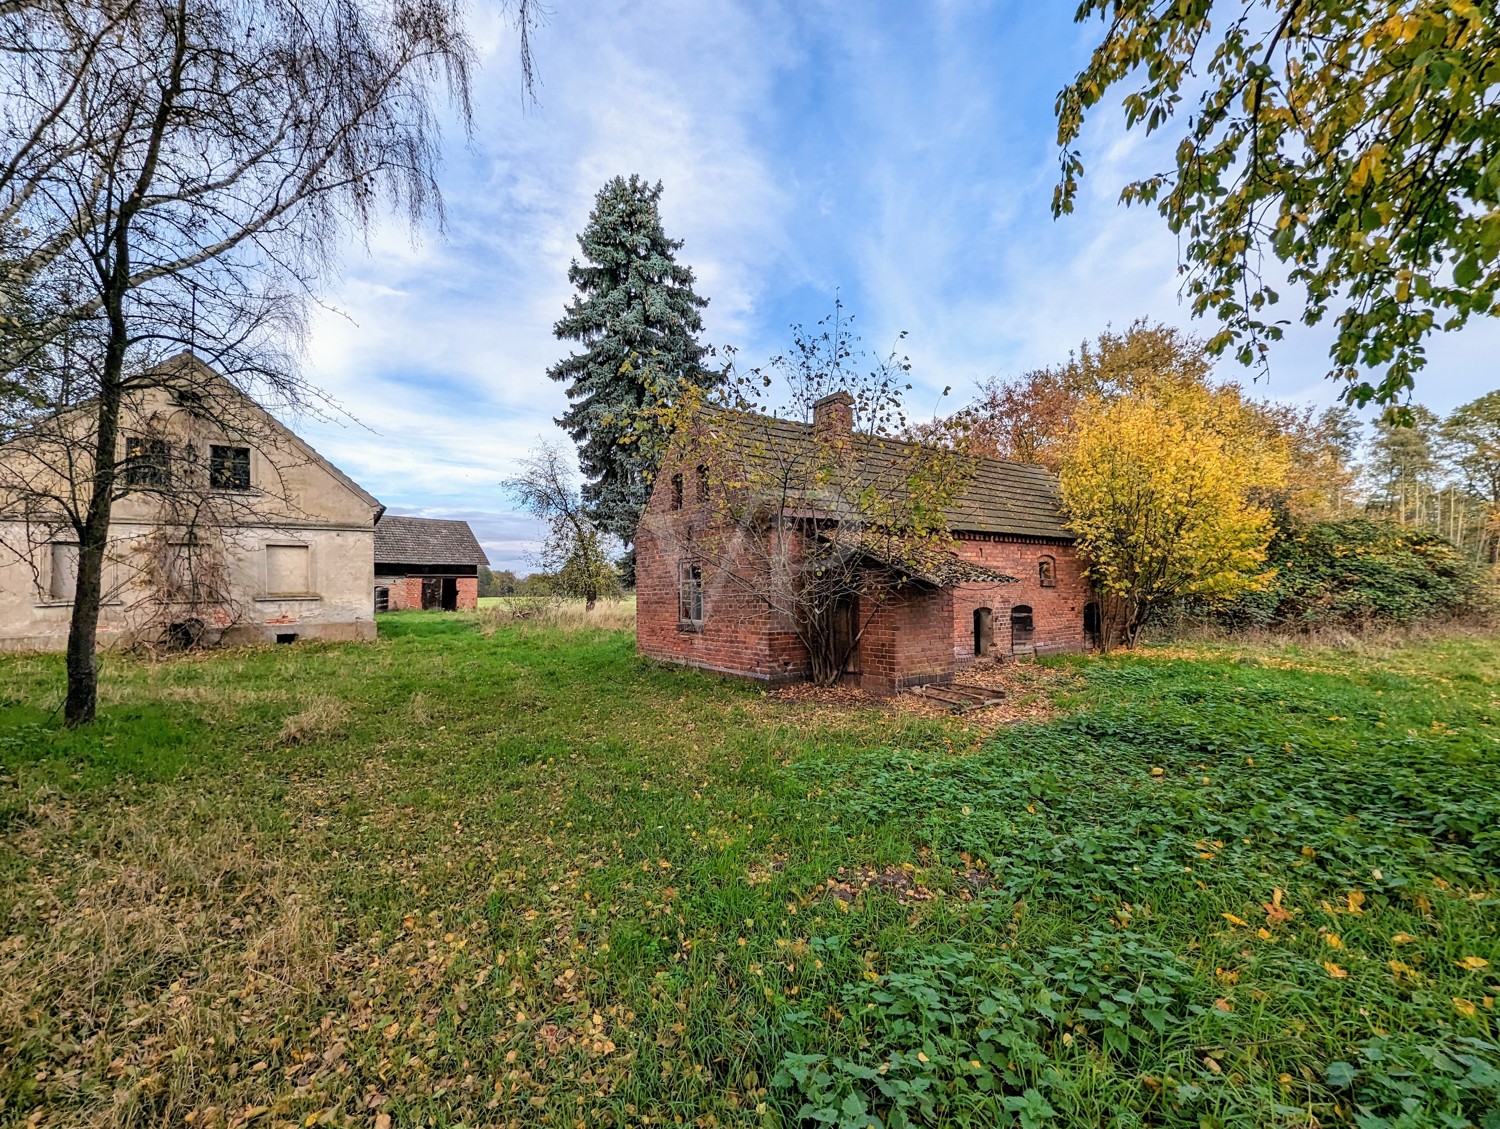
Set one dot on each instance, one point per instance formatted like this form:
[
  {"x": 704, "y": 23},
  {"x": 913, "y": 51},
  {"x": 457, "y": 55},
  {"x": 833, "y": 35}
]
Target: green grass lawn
[{"x": 512, "y": 875}]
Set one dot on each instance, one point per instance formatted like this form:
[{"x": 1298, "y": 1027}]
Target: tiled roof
[
  {"x": 999, "y": 497},
  {"x": 426, "y": 541}
]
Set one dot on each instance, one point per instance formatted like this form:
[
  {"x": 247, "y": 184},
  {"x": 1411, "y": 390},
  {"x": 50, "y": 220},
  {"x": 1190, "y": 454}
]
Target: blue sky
[{"x": 899, "y": 154}]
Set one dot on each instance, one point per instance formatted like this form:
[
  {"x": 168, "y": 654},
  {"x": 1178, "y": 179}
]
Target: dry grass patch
[{"x": 149, "y": 964}]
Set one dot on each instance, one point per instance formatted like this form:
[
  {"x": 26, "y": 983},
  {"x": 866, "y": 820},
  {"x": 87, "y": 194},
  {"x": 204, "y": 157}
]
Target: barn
[{"x": 426, "y": 563}]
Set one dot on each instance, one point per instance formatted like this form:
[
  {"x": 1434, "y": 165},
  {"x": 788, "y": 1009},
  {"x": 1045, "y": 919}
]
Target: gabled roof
[
  {"x": 999, "y": 497},
  {"x": 188, "y": 360},
  {"x": 426, "y": 541}
]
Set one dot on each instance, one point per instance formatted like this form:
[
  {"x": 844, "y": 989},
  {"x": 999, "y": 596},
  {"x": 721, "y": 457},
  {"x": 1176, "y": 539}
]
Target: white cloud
[{"x": 902, "y": 154}]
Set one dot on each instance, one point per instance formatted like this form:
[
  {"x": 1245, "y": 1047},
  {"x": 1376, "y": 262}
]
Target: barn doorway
[
  {"x": 1093, "y": 626},
  {"x": 1021, "y": 630},
  {"x": 450, "y": 594},
  {"x": 984, "y": 631},
  {"x": 432, "y": 594}
]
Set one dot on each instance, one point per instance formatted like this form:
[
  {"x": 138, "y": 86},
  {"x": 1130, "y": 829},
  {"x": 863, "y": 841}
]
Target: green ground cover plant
[{"x": 487, "y": 872}]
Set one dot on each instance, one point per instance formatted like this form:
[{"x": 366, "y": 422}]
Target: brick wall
[
  {"x": 406, "y": 592},
  {"x": 1057, "y": 612},
  {"x": 738, "y": 633},
  {"x": 908, "y": 640},
  {"x": 468, "y": 593}
]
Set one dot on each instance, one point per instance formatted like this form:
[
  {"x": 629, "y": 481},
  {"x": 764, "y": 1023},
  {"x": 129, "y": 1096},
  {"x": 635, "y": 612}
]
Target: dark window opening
[
  {"x": 228, "y": 468},
  {"x": 1046, "y": 570},
  {"x": 147, "y": 462},
  {"x": 677, "y": 491},
  {"x": 689, "y": 593},
  {"x": 382, "y": 599},
  {"x": 287, "y": 637},
  {"x": 984, "y": 631},
  {"x": 702, "y": 484},
  {"x": 1020, "y": 628}
]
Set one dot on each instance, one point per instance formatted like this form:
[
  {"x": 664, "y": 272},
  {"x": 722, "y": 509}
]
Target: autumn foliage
[{"x": 1162, "y": 488}]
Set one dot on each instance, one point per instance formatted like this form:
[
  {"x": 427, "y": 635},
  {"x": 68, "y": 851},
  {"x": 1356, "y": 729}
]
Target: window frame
[
  {"x": 676, "y": 486},
  {"x": 309, "y": 593},
  {"x": 1026, "y": 612},
  {"x": 147, "y": 464},
  {"x": 689, "y": 594},
  {"x": 702, "y": 482},
  {"x": 215, "y": 466},
  {"x": 52, "y": 594}
]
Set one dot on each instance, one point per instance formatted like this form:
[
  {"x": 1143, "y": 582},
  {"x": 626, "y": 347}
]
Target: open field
[{"x": 486, "y": 872}]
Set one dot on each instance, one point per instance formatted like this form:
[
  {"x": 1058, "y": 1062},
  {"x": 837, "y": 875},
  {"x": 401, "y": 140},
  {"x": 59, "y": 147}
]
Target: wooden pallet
[{"x": 961, "y": 697}]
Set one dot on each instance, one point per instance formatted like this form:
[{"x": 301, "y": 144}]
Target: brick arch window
[
  {"x": 702, "y": 480},
  {"x": 677, "y": 491},
  {"x": 1046, "y": 572}
]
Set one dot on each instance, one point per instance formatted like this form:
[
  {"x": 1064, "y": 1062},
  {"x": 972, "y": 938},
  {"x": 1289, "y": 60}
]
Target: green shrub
[{"x": 1354, "y": 572}]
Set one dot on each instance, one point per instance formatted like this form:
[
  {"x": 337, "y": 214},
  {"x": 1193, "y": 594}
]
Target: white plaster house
[{"x": 226, "y": 527}]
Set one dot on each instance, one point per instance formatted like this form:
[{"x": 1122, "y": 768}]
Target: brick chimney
[{"x": 833, "y": 417}]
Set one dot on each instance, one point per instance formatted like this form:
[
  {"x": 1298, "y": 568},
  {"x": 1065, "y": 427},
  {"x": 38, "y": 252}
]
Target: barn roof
[
  {"x": 426, "y": 541},
  {"x": 999, "y": 497}
]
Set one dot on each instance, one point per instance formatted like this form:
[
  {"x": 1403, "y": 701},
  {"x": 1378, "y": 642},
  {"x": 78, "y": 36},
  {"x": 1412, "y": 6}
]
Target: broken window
[
  {"x": 1046, "y": 570},
  {"x": 689, "y": 593},
  {"x": 677, "y": 491},
  {"x": 702, "y": 484},
  {"x": 228, "y": 467},
  {"x": 62, "y": 579},
  {"x": 147, "y": 463},
  {"x": 382, "y": 599}
]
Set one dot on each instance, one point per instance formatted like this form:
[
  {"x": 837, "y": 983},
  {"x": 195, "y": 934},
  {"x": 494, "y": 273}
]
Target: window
[
  {"x": 287, "y": 570},
  {"x": 677, "y": 491},
  {"x": 228, "y": 468},
  {"x": 147, "y": 463},
  {"x": 1046, "y": 571},
  {"x": 382, "y": 599},
  {"x": 1020, "y": 627},
  {"x": 702, "y": 484},
  {"x": 62, "y": 578},
  {"x": 689, "y": 593}
]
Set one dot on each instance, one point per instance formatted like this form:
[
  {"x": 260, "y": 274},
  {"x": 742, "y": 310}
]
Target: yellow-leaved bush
[{"x": 1161, "y": 488}]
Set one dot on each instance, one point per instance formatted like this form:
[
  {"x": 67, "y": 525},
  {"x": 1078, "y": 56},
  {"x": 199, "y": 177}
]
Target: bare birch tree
[
  {"x": 573, "y": 550},
  {"x": 182, "y": 173}
]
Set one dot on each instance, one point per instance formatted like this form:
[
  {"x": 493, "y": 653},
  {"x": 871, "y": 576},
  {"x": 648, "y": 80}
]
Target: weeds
[{"x": 508, "y": 874}]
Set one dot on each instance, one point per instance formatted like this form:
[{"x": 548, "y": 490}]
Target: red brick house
[
  {"x": 423, "y": 562},
  {"x": 1008, "y": 583}
]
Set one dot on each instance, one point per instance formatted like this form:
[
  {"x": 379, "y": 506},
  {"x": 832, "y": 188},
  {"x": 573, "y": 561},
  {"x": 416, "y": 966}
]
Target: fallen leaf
[
  {"x": 1229, "y": 917},
  {"x": 1462, "y": 1006},
  {"x": 1472, "y": 964},
  {"x": 1402, "y": 939},
  {"x": 1334, "y": 970}
]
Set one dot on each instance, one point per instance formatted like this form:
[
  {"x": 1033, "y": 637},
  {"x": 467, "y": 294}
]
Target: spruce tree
[{"x": 637, "y": 316}]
